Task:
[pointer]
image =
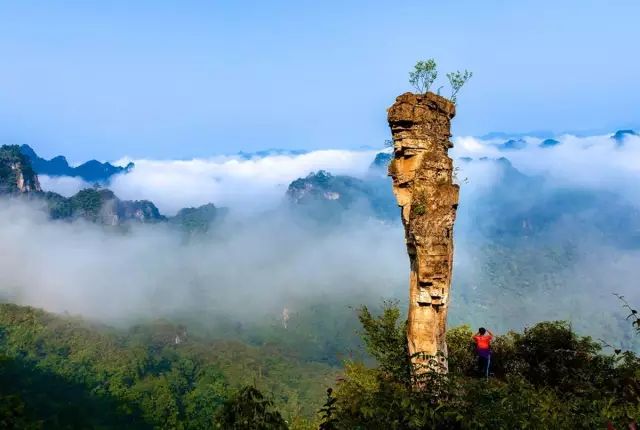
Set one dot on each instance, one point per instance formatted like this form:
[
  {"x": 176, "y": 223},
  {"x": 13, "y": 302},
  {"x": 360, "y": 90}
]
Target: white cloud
[
  {"x": 470, "y": 145},
  {"x": 262, "y": 262},
  {"x": 256, "y": 267},
  {"x": 65, "y": 185},
  {"x": 593, "y": 161},
  {"x": 248, "y": 185},
  {"x": 242, "y": 184}
]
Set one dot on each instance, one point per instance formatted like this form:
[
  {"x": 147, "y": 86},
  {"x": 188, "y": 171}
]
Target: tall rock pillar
[{"x": 422, "y": 174}]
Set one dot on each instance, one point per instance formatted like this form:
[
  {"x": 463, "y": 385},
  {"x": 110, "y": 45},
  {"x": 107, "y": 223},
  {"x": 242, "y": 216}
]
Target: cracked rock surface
[{"x": 422, "y": 174}]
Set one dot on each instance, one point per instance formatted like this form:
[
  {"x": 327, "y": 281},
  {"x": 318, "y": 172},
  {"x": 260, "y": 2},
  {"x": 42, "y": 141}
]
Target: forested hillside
[
  {"x": 62, "y": 372},
  {"x": 190, "y": 346}
]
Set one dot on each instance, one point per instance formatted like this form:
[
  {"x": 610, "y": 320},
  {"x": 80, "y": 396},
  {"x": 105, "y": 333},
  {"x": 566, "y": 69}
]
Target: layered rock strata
[{"x": 422, "y": 174}]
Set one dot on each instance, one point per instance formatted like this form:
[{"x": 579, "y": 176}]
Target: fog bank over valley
[{"x": 546, "y": 229}]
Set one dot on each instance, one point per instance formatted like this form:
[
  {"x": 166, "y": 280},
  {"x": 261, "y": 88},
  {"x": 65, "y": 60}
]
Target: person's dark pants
[{"x": 484, "y": 361}]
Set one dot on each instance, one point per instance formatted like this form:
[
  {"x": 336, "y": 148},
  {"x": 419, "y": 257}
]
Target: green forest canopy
[{"x": 63, "y": 372}]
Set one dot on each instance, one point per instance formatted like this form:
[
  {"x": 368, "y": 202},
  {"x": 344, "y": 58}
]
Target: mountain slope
[
  {"x": 156, "y": 374},
  {"x": 99, "y": 205},
  {"x": 322, "y": 195},
  {"x": 16, "y": 172}
]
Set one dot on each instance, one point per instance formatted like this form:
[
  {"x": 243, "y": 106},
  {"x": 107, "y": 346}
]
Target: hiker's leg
[
  {"x": 482, "y": 366},
  {"x": 488, "y": 365}
]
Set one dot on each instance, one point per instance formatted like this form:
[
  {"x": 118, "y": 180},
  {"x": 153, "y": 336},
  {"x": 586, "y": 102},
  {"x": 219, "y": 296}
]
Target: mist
[
  {"x": 594, "y": 162},
  {"x": 575, "y": 235},
  {"x": 249, "y": 184},
  {"x": 557, "y": 260},
  {"x": 248, "y": 268}
]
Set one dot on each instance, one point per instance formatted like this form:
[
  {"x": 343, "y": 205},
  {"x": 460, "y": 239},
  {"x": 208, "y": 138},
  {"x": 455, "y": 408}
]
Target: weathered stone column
[{"x": 422, "y": 175}]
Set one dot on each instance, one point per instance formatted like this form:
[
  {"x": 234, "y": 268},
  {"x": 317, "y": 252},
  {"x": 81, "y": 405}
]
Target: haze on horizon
[{"x": 191, "y": 79}]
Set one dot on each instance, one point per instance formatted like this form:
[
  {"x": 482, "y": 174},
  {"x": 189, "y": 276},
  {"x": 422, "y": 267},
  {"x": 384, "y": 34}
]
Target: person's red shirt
[{"x": 483, "y": 341}]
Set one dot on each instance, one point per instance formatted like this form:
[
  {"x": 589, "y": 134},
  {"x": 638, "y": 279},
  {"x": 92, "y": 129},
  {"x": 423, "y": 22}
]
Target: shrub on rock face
[
  {"x": 457, "y": 80},
  {"x": 423, "y": 75}
]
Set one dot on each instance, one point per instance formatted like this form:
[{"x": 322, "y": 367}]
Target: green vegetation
[
  {"x": 87, "y": 203},
  {"x": 250, "y": 410},
  {"x": 10, "y": 155},
  {"x": 63, "y": 372},
  {"x": 151, "y": 376},
  {"x": 322, "y": 196},
  {"x": 198, "y": 220},
  {"x": 59, "y": 207},
  {"x": 419, "y": 209},
  {"x": 425, "y": 74},
  {"x": 92, "y": 204},
  {"x": 457, "y": 80},
  {"x": 545, "y": 378}
]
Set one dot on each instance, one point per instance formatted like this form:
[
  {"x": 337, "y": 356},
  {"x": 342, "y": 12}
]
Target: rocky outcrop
[
  {"x": 323, "y": 196},
  {"x": 200, "y": 219},
  {"x": 339, "y": 191},
  {"x": 16, "y": 174},
  {"x": 381, "y": 162},
  {"x": 102, "y": 207},
  {"x": 98, "y": 205},
  {"x": 422, "y": 174}
]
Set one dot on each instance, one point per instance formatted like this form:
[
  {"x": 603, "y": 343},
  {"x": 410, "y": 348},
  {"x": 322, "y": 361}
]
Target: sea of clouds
[
  {"x": 245, "y": 184},
  {"x": 256, "y": 263},
  {"x": 592, "y": 161},
  {"x": 249, "y": 184}
]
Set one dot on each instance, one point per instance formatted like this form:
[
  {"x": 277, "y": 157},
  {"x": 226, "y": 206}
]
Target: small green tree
[
  {"x": 385, "y": 337},
  {"x": 328, "y": 412},
  {"x": 457, "y": 79},
  {"x": 248, "y": 409},
  {"x": 424, "y": 75}
]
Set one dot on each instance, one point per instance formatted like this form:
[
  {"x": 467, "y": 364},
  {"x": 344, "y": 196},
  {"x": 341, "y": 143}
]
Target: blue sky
[{"x": 153, "y": 78}]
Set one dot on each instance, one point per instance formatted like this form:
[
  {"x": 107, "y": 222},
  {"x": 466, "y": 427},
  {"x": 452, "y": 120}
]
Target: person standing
[{"x": 483, "y": 340}]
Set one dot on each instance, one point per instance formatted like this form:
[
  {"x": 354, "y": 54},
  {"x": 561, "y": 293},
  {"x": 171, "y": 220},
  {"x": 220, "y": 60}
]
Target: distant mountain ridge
[
  {"x": 99, "y": 205},
  {"x": 522, "y": 141},
  {"x": 270, "y": 153},
  {"x": 500, "y": 212},
  {"x": 90, "y": 171},
  {"x": 620, "y": 136}
]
